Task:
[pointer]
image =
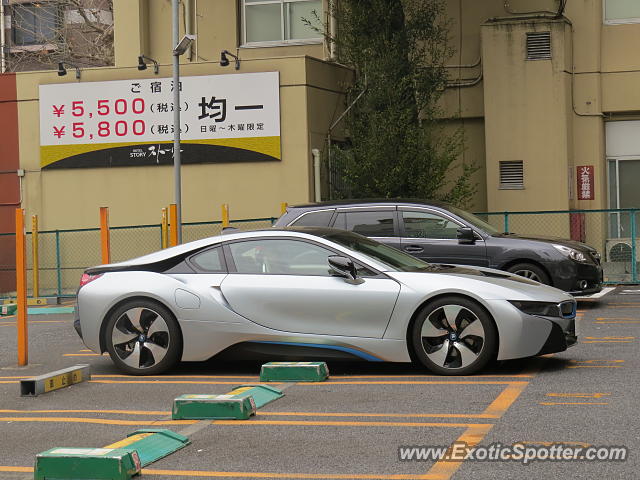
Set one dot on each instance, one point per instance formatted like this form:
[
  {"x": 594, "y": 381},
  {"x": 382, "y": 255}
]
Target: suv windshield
[
  {"x": 395, "y": 259},
  {"x": 475, "y": 221}
]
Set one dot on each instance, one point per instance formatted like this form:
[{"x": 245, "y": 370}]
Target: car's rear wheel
[
  {"x": 530, "y": 271},
  {"x": 454, "y": 336},
  {"x": 143, "y": 337}
]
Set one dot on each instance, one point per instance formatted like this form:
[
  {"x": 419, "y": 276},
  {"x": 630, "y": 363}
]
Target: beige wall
[{"x": 550, "y": 114}]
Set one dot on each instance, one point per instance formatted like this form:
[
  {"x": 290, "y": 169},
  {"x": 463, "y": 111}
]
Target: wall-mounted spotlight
[
  {"x": 62, "y": 71},
  {"x": 183, "y": 45},
  {"x": 142, "y": 65},
  {"x": 224, "y": 61}
]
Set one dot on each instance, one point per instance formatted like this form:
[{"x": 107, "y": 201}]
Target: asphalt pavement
[{"x": 350, "y": 426}]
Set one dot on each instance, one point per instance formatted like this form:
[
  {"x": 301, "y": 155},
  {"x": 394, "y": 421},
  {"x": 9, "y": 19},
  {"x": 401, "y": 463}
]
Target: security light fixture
[
  {"x": 62, "y": 71},
  {"x": 224, "y": 61},
  {"x": 183, "y": 45},
  {"x": 142, "y": 65}
]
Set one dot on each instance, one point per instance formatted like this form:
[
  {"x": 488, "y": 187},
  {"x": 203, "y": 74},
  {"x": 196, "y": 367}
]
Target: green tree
[{"x": 396, "y": 145}]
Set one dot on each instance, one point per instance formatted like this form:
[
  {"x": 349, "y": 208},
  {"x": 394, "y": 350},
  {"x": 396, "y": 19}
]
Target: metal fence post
[
  {"x": 506, "y": 222},
  {"x": 634, "y": 265},
  {"x": 58, "y": 263},
  {"x": 21, "y": 289},
  {"x": 35, "y": 256}
]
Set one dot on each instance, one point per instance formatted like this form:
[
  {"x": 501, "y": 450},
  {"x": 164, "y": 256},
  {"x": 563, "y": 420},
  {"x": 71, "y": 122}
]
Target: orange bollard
[
  {"x": 105, "y": 240},
  {"x": 21, "y": 289},
  {"x": 173, "y": 220},
  {"x": 225, "y": 215}
]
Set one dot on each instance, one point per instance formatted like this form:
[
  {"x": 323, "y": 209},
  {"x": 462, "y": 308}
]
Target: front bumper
[
  {"x": 562, "y": 336},
  {"x": 576, "y": 278}
]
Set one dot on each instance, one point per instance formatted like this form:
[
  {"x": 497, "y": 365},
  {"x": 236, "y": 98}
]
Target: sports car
[{"x": 314, "y": 292}]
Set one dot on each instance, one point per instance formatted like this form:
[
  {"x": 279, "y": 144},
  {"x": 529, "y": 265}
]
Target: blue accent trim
[{"x": 353, "y": 351}]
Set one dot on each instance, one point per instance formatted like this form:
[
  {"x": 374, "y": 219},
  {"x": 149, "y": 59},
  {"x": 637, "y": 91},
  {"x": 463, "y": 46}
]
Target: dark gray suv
[{"x": 440, "y": 233}]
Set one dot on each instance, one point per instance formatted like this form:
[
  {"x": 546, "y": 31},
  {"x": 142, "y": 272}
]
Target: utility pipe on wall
[{"x": 315, "y": 153}]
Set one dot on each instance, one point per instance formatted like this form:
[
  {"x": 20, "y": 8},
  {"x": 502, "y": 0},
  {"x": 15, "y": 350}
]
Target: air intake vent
[
  {"x": 511, "y": 175},
  {"x": 539, "y": 46}
]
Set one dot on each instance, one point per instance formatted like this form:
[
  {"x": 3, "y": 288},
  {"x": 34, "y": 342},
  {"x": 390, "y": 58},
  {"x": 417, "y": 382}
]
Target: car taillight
[{"x": 87, "y": 278}]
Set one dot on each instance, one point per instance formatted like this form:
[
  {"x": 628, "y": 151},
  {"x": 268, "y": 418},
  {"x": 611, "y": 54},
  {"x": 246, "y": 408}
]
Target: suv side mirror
[
  {"x": 466, "y": 236},
  {"x": 343, "y": 267}
]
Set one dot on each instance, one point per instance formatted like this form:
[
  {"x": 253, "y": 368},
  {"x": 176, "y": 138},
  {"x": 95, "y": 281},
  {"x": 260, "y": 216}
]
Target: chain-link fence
[
  {"x": 64, "y": 254},
  {"x": 613, "y": 233}
]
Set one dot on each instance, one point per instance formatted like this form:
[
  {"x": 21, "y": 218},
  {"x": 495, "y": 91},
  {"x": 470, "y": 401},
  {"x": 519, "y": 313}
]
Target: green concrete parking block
[
  {"x": 294, "y": 372},
  {"x": 235, "y": 405},
  {"x": 8, "y": 309},
  {"x": 152, "y": 444},
  {"x": 87, "y": 464},
  {"x": 261, "y": 394}
]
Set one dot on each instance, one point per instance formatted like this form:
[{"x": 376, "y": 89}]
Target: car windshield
[
  {"x": 379, "y": 252},
  {"x": 475, "y": 221}
]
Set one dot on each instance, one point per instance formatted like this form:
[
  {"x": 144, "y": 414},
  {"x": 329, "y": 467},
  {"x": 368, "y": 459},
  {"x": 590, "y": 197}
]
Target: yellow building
[{"x": 539, "y": 92}]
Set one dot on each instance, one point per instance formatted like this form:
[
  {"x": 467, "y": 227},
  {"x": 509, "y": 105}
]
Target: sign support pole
[{"x": 176, "y": 120}]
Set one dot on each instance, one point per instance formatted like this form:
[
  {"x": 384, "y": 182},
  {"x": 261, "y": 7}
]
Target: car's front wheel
[
  {"x": 143, "y": 337},
  {"x": 454, "y": 336}
]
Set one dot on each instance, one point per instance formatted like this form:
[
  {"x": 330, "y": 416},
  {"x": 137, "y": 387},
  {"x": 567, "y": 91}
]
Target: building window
[
  {"x": 280, "y": 22},
  {"x": 34, "y": 24},
  {"x": 621, "y": 11}
]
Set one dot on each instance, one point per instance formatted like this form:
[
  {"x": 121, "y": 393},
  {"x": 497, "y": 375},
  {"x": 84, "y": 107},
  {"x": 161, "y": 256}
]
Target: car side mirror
[
  {"x": 466, "y": 236},
  {"x": 343, "y": 267}
]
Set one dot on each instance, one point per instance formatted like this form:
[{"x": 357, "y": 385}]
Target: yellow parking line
[
  {"x": 609, "y": 338},
  {"x": 83, "y": 354},
  {"x": 607, "y": 341},
  {"x": 506, "y": 398},
  {"x": 172, "y": 382},
  {"x": 98, "y": 421},
  {"x": 332, "y": 476},
  {"x": 446, "y": 469},
  {"x": 217, "y": 474},
  {"x": 616, "y": 321},
  {"x": 176, "y": 376},
  {"x": 419, "y": 382},
  {"x": 574, "y": 403},
  {"x": 313, "y": 423},
  {"x": 117, "y": 412}
]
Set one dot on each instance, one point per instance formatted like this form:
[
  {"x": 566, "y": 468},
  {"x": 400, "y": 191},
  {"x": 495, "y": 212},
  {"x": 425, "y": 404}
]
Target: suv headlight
[
  {"x": 545, "y": 309},
  {"x": 572, "y": 253}
]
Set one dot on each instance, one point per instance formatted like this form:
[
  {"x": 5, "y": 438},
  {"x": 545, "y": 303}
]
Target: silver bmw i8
[{"x": 314, "y": 292}]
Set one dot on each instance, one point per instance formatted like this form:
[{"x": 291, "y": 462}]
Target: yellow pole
[
  {"x": 165, "y": 228},
  {"x": 225, "y": 215},
  {"x": 173, "y": 219},
  {"x": 105, "y": 241},
  {"x": 283, "y": 208},
  {"x": 21, "y": 289},
  {"x": 34, "y": 256}
]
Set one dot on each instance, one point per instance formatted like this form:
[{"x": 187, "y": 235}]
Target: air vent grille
[
  {"x": 539, "y": 46},
  {"x": 512, "y": 174}
]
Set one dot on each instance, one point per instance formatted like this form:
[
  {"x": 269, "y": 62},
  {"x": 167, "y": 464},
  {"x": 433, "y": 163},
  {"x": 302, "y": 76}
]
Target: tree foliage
[{"x": 396, "y": 145}]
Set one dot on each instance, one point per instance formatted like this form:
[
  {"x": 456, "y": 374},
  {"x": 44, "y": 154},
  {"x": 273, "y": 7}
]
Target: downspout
[
  {"x": 3, "y": 58},
  {"x": 333, "y": 26},
  {"x": 188, "y": 25}
]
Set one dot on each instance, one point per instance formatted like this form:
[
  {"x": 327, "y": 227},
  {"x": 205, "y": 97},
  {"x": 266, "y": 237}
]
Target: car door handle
[{"x": 413, "y": 249}]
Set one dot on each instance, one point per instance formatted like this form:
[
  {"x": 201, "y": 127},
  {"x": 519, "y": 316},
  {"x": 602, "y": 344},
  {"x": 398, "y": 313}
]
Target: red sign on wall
[{"x": 586, "y": 190}]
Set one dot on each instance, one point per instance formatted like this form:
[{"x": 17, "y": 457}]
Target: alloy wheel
[
  {"x": 452, "y": 336},
  {"x": 140, "y": 338},
  {"x": 528, "y": 274}
]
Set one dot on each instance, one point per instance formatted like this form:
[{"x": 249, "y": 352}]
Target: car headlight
[
  {"x": 572, "y": 253},
  {"x": 545, "y": 309}
]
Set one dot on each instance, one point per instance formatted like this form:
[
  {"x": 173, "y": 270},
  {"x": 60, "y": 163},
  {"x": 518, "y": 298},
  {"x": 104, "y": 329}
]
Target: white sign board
[{"x": 224, "y": 118}]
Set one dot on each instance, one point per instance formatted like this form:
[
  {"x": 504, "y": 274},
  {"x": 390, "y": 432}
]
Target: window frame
[
  {"x": 393, "y": 211},
  {"x": 427, "y": 211},
  {"x": 198, "y": 269},
  {"x": 59, "y": 18},
  {"x": 620, "y": 21},
  {"x": 232, "y": 269},
  {"x": 274, "y": 43}
]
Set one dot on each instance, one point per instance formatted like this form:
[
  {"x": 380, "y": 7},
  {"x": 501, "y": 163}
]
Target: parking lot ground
[{"x": 350, "y": 426}]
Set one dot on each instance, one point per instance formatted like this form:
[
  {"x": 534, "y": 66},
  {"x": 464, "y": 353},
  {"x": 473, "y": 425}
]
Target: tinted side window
[
  {"x": 314, "y": 219},
  {"x": 428, "y": 225},
  {"x": 369, "y": 224},
  {"x": 209, "y": 260},
  {"x": 280, "y": 257}
]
